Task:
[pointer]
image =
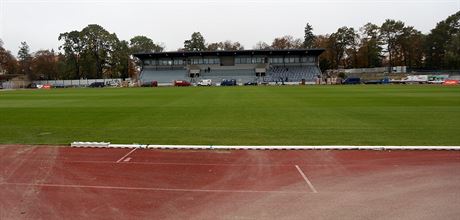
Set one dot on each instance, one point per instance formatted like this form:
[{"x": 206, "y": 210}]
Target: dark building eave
[{"x": 175, "y": 54}]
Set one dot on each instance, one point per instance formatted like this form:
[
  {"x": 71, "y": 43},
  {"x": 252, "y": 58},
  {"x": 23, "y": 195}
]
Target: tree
[
  {"x": 309, "y": 37},
  {"x": 98, "y": 45},
  {"x": 261, "y": 46},
  {"x": 390, "y": 32},
  {"x": 25, "y": 61},
  {"x": 326, "y": 59},
  {"x": 121, "y": 63},
  {"x": 411, "y": 43},
  {"x": 453, "y": 52},
  {"x": 139, "y": 44},
  {"x": 73, "y": 49},
  {"x": 370, "y": 50},
  {"x": 438, "y": 43},
  {"x": 45, "y": 64},
  {"x": 196, "y": 43},
  {"x": 342, "y": 40},
  {"x": 229, "y": 45},
  {"x": 226, "y": 45},
  {"x": 287, "y": 42},
  {"x": 8, "y": 62}
]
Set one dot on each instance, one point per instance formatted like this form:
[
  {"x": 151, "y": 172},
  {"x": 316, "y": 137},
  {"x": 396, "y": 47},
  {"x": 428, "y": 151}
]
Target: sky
[{"x": 39, "y": 22}]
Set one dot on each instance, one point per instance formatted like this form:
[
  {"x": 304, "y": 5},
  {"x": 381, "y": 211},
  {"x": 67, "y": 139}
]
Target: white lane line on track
[
  {"x": 306, "y": 179},
  {"x": 193, "y": 164},
  {"x": 121, "y": 159},
  {"x": 152, "y": 189}
]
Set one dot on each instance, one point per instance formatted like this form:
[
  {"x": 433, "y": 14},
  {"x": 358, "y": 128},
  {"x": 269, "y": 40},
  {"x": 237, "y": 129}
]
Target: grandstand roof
[{"x": 315, "y": 52}]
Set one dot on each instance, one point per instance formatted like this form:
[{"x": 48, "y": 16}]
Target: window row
[
  {"x": 238, "y": 60},
  {"x": 205, "y": 61},
  {"x": 292, "y": 60},
  {"x": 168, "y": 62},
  {"x": 249, "y": 60}
]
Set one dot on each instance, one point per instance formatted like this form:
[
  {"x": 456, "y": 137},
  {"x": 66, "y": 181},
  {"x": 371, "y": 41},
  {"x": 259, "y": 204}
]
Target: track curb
[{"x": 214, "y": 147}]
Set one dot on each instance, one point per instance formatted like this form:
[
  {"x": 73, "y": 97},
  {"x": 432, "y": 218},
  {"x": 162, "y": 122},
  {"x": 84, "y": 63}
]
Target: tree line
[{"x": 94, "y": 52}]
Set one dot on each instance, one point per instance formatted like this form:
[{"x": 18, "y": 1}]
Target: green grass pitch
[{"x": 290, "y": 115}]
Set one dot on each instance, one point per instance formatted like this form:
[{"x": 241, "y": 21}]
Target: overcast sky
[{"x": 39, "y": 22}]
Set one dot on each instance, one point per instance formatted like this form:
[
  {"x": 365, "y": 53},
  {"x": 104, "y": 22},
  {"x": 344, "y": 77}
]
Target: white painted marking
[
  {"x": 306, "y": 179},
  {"x": 152, "y": 189},
  {"x": 127, "y": 159},
  {"x": 207, "y": 147},
  {"x": 121, "y": 159}
]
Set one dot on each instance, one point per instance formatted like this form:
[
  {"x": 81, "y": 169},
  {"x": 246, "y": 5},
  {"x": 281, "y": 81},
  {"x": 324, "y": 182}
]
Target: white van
[{"x": 204, "y": 82}]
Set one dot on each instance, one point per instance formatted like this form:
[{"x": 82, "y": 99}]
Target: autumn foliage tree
[
  {"x": 287, "y": 42},
  {"x": 8, "y": 62},
  {"x": 45, "y": 64}
]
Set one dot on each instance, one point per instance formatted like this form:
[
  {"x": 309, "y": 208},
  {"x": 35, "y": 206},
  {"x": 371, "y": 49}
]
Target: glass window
[
  {"x": 178, "y": 62},
  {"x": 165, "y": 62},
  {"x": 197, "y": 61}
]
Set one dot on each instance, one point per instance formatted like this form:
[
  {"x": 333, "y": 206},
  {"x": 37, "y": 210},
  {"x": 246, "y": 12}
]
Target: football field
[{"x": 263, "y": 115}]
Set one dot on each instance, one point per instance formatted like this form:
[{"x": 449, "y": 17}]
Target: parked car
[
  {"x": 32, "y": 86},
  {"x": 379, "y": 81},
  {"x": 97, "y": 85},
  {"x": 46, "y": 86},
  {"x": 352, "y": 81},
  {"x": 251, "y": 83},
  {"x": 112, "y": 83},
  {"x": 150, "y": 84},
  {"x": 451, "y": 82},
  {"x": 204, "y": 82},
  {"x": 230, "y": 82},
  {"x": 181, "y": 83}
]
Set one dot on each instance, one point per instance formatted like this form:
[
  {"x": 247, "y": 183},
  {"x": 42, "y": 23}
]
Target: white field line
[
  {"x": 306, "y": 179},
  {"x": 121, "y": 159},
  {"x": 211, "y": 147},
  {"x": 150, "y": 189}
]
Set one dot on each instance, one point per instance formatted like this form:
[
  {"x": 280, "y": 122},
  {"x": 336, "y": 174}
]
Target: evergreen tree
[{"x": 309, "y": 37}]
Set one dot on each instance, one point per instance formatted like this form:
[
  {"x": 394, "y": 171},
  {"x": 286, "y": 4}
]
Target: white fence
[{"x": 79, "y": 82}]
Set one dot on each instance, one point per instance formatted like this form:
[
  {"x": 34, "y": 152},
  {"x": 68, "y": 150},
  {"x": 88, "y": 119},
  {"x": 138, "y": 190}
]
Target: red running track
[{"x": 76, "y": 183}]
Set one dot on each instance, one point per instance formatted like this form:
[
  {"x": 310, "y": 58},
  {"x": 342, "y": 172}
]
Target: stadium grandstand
[{"x": 263, "y": 66}]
